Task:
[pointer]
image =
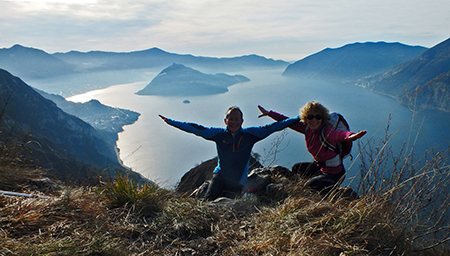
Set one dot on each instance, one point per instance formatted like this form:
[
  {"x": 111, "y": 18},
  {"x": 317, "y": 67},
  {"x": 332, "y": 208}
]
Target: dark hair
[{"x": 234, "y": 108}]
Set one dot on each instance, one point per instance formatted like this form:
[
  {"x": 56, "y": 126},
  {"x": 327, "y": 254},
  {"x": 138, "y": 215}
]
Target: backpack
[{"x": 338, "y": 122}]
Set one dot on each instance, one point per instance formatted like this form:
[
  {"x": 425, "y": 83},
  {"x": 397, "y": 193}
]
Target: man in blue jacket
[{"x": 234, "y": 145}]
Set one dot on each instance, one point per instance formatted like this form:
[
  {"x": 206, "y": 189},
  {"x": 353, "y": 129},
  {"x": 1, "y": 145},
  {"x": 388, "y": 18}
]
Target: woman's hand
[
  {"x": 356, "y": 136},
  {"x": 263, "y": 111}
]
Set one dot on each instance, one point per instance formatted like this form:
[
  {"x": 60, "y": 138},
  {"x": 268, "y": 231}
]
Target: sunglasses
[{"x": 311, "y": 117}]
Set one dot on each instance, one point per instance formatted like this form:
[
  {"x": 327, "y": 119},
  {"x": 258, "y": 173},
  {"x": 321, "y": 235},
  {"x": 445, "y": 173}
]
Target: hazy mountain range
[
  {"x": 421, "y": 83},
  {"x": 154, "y": 57},
  {"x": 353, "y": 61},
  {"x": 78, "y": 72},
  {"x": 376, "y": 66},
  {"x": 27, "y": 62},
  {"x": 416, "y": 76},
  {"x": 32, "y": 63}
]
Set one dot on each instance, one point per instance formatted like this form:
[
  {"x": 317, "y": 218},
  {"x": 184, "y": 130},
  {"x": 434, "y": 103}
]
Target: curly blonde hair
[{"x": 316, "y": 107}]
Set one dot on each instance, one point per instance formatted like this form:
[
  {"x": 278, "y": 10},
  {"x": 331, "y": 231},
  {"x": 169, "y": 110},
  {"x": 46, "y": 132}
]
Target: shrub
[{"x": 125, "y": 192}]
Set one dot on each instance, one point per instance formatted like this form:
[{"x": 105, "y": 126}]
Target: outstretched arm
[
  {"x": 263, "y": 131},
  {"x": 356, "y": 136},
  {"x": 299, "y": 126},
  {"x": 199, "y": 130}
]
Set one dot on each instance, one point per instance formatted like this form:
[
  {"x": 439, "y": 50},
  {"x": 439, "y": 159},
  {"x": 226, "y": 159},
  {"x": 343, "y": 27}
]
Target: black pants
[
  {"x": 306, "y": 170},
  {"x": 221, "y": 186},
  {"x": 317, "y": 179}
]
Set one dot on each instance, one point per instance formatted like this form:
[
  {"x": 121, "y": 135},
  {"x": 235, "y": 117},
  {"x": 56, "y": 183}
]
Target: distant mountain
[
  {"x": 423, "y": 82},
  {"x": 78, "y": 72},
  {"x": 32, "y": 63},
  {"x": 353, "y": 61},
  {"x": 60, "y": 142},
  {"x": 100, "y": 116},
  {"x": 433, "y": 95},
  {"x": 154, "y": 57},
  {"x": 179, "y": 80}
]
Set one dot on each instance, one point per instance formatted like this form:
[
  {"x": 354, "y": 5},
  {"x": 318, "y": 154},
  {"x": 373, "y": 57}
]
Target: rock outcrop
[{"x": 196, "y": 176}]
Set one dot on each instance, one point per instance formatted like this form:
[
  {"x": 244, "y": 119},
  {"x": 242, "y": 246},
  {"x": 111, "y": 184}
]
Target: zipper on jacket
[{"x": 238, "y": 144}]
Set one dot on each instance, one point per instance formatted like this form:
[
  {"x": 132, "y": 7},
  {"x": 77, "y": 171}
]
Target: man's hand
[{"x": 163, "y": 118}]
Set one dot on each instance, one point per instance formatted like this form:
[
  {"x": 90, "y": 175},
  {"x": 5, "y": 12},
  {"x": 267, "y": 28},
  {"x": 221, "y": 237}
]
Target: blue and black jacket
[{"x": 233, "y": 151}]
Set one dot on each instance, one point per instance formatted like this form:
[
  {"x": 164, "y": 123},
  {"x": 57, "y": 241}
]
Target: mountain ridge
[
  {"x": 357, "y": 63},
  {"x": 61, "y": 143},
  {"x": 99, "y": 116},
  {"x": 76, "y": 61},
  {"x": 353, "y": 61},
  {"x": 421, "y": 83},
  {"x": 32, "y": 63}
]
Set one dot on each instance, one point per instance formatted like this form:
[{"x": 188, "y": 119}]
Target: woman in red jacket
[{"x": 327, "y": 170}]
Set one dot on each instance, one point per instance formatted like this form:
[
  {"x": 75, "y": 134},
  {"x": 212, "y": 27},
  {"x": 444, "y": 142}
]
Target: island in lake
[{"x": 179, "y": 80}]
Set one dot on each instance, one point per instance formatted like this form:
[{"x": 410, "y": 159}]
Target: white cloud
[
  {"x": 276, "y": 29},
  {"x": 54, "y": 1}
]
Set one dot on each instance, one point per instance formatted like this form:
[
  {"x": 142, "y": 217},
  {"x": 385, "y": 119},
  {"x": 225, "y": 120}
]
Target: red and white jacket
[{"x": 313, "y": 143}]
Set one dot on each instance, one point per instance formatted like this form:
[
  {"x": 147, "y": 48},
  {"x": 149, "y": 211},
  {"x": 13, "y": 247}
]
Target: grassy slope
[
  {"x": 92, "y": 221},
  {"x": 120, "y": 217}
]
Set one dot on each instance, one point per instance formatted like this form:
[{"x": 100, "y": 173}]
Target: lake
[{"x": 164, "y": 154}]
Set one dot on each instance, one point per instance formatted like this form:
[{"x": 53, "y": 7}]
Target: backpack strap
[
  {"x": 326, "y": 143},
  {"x": 342, "y": 120},
  {"x": 335, "y": 161}
]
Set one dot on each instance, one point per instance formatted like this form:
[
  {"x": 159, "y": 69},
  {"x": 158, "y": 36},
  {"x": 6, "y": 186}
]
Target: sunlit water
[{"x": 164, "y": 154}]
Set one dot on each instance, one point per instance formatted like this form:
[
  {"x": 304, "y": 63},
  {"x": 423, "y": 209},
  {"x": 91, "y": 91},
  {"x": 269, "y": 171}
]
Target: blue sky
[{"x": 279, "y": 29}]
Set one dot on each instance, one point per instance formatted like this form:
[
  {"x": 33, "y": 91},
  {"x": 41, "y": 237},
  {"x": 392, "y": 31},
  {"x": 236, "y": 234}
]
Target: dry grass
[
  {"x": 83, "y": 221},
  {"x": 405, "y": 213}
]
